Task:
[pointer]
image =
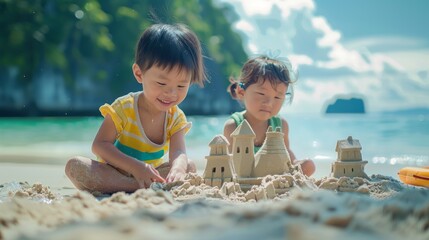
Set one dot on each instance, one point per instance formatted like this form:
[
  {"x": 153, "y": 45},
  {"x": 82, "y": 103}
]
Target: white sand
[{"x": 302, "y": 208}]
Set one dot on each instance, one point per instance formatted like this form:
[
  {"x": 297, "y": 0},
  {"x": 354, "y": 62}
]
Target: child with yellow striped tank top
[{"x": 141, "y": 127}]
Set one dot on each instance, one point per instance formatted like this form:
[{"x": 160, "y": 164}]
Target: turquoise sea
[{"x": 389, "y": 141}]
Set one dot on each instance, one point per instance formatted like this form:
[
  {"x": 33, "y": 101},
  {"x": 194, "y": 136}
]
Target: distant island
[{"x": 341, "y": 105}]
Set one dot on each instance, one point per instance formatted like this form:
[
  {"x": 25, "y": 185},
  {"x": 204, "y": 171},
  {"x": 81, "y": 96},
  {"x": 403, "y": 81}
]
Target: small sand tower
[
  {"x": 273, "y": 157},
  {"x": 242, "y": 149},
  {"x": 219, "y": 168},
  {"x": 349, "y": 161}
]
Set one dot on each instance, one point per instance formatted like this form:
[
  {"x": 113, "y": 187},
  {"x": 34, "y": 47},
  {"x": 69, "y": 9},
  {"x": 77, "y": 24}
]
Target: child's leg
[
  {"x": 92, "y": 176},
  {"x": 307, "y": 166}
]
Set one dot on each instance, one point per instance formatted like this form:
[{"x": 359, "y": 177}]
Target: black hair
[{"x": 168, "y": 46}]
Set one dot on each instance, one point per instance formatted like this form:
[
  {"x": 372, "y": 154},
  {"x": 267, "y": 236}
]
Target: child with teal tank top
[
  {"x": 262, "y": 88},
  {"x": 143, "y": 128}
]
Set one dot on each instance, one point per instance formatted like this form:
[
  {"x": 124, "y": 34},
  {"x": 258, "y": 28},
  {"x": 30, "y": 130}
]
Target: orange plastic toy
[{"x": 417, "y": 176}]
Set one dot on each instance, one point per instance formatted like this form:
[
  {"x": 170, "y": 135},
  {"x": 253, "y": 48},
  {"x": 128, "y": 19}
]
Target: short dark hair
[{"x": 171, "y": 45}]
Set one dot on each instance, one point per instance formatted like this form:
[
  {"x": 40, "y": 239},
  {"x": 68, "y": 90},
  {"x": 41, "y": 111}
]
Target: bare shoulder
[
  {"x": 285, "y": 125},
  {"x": 230, "y": 122},
  {"x": 284, "y": 122},
  {"x": 229, "y": 127}
]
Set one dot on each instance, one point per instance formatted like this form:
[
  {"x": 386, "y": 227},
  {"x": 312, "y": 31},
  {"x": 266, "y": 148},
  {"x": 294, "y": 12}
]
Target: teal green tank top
[{"x": 274, "y": 122}]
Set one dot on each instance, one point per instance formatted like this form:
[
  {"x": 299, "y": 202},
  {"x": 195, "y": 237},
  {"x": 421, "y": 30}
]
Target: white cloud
[
  {"x": 318, "y": 94},
  {"x": 244, "y": 26},
  {"x": 406, "y": 54},
  {"x": 411, "y": 60},
  {"x": 330, "y": 37},
  {"x": 300, "y": 59},
  {"x": 340, "y": 57},
  {"x": 264, "y": 7},
  {"x": 265, "y": 23},
  {"x": 257, "y": 7},
  {"x": 385, "y": 41},
  {"x": 252, "y": 47}
]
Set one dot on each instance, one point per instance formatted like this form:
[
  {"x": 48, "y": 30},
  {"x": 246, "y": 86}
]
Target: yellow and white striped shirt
[{"x": 131, "y": 138}]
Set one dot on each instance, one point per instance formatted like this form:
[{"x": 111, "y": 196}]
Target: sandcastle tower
[
  {"x": 242, "y": 149},
  {"x": 349, "y": 161},
  {"x": 219, "y": 168},
  {"x": 273, "y": 157}
]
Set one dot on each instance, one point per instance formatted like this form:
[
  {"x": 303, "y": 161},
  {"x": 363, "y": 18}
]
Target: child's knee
[
  {"x": 308, "y": 167},
  {"x": 71, "y": 165},
  {"x": 191, "y": 167},
  {"x": 75, "y": 170}
]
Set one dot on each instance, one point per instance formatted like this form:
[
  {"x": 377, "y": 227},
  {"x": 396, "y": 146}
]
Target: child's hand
[
  {"x": 176, "y": 174},
  {"x": 146, "y": 175}
]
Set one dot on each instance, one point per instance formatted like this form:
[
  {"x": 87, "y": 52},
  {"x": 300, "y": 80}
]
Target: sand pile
[
  {"x": 291, "y": 206},
  {"x": 280, "y": 186}
]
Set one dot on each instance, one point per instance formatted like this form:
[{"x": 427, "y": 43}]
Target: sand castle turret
[
  {"x": 219, "y": 168},
  {"x": 349, "y": 161},
  {"x": 242, "y": 149},
  {"x": 273, "y": 157}
]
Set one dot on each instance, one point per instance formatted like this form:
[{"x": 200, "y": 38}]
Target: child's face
[
  {"x": 264, "y": 101},
  {"x": 163, "y": 88}
]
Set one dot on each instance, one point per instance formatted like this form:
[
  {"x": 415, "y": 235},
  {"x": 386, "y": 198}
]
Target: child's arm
[
  {"x": 285, "y": 127},
  {"x": 177, "y": 155},
  {"x": 103, "y": 147},
  {"x": 307, "y": 165},
  {"x": 228, "y": 128}
]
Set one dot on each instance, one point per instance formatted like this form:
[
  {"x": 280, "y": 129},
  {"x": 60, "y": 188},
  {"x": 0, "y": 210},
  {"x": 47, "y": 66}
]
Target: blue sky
[{"x": 377, "y": 50}]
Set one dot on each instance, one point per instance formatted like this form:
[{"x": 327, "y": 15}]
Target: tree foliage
[{"x": 97, "y": 38}]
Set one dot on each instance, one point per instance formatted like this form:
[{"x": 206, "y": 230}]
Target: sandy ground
[
  {"x": 51, "y": 175},
  {"x": 37, "y": 201}
]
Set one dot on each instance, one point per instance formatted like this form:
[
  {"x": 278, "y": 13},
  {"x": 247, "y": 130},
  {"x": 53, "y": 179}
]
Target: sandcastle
[
  {"x": 247, "y": 169},
  {"x": 243, "y": 166},
  {"x": 349, "y": 161}
]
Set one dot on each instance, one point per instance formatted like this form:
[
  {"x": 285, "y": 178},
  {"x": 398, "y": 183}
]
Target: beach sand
[{"x": 37, "y": 201}]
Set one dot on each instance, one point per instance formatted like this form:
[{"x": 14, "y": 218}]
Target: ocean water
[{"x": 389, "y": 141}]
